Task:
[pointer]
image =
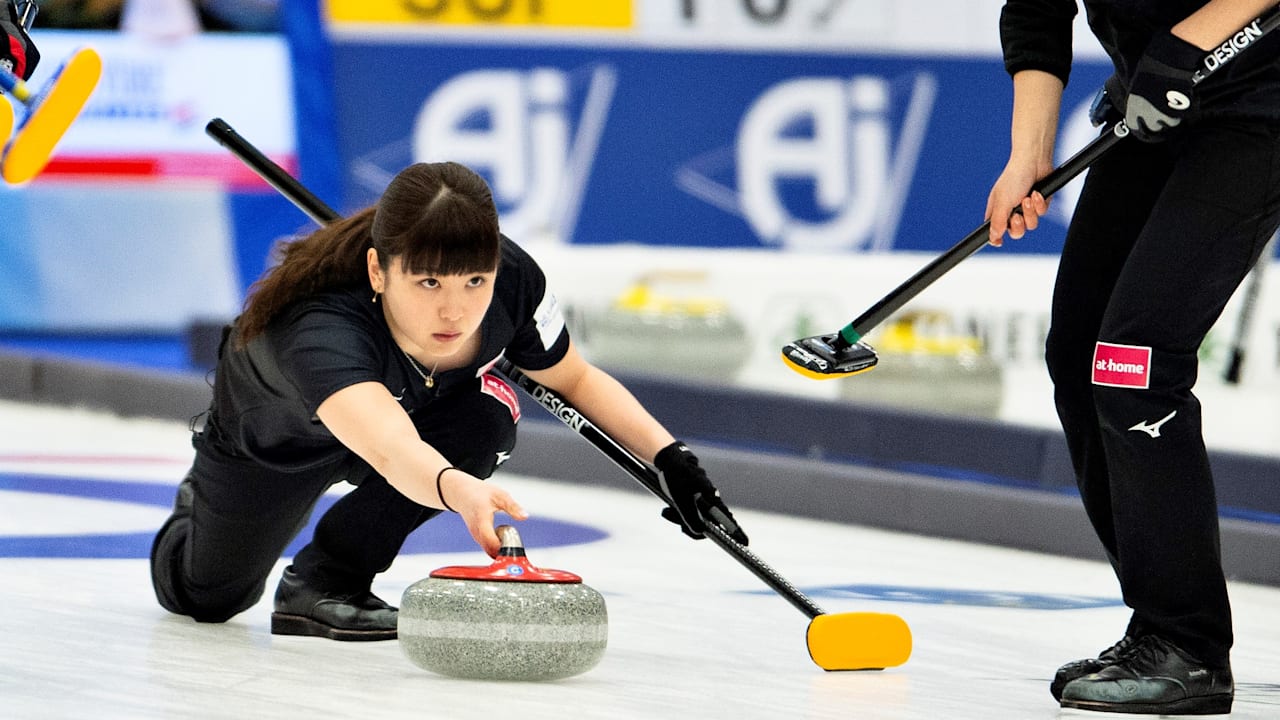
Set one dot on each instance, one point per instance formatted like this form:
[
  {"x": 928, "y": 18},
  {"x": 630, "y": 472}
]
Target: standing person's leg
[
  {"x": 363, "y": 532},
  {"x": 1219, "y": 208},
  {"x": 1118, "y": 194},
  {"x": 231, "y": 521}
]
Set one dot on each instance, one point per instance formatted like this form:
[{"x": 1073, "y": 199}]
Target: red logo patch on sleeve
[
  {"x": 1122, "y": 365},
  {"x": 495, "y": 387}
]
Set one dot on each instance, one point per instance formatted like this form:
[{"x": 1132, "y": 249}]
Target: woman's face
[{"x": 432, "y": 315}]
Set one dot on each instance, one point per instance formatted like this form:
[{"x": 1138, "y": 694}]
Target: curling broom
[{"x": 48, "y": 113}]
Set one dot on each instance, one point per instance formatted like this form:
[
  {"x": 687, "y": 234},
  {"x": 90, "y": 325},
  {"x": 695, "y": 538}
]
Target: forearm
[
  {"x": 368, "y": 421},
  {"x": 604, "y": 400},
  {"x": 412, "y": 466},
  {"x": 1037, "y": 96},
  {"x": 616, "y": 411}
]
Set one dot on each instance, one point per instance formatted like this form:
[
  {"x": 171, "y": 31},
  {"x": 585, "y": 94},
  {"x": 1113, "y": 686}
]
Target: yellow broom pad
[
  {"x": 858, "y": 641},
  {"x": 51, "y": 113},
  {"x": 6, "y": 120}
]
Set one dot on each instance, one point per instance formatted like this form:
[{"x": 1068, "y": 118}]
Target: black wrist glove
[
  {"x": 693, "y": 498},
  {"x": 1161, "y": 93},
  {"x": 17, "y": 52}
]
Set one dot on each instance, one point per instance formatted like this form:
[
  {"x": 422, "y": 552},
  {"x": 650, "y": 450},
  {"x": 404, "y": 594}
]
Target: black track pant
[
  {"x": 212, "y": 560},
  {"x": 1162, "y": 236}
]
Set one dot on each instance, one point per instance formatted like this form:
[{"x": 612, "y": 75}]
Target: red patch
[
  {"x": 19, "y": 54},
  {"x": 1122, "y": 365},
  {"x": 495, "y": 387}
]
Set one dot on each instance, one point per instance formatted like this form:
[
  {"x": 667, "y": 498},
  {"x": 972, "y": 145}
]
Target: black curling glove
[
  {"x": 17, "y": 52},
  {"x": 1162, "y": 93},
  {"x": 693, "y": 497}
]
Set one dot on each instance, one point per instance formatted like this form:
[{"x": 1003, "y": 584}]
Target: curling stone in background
[
  {"x": 657, "y": 325},
  {"x": 505, "y": 621},
  {"x": 925, "y": 364}
]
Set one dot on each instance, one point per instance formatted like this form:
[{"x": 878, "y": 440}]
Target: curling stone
[{"x": 505, "y": 621}]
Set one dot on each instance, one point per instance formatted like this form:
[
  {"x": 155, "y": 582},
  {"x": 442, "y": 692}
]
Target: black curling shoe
[
  {"x": 1080, "y": 668},
  {"x": 1153, "y": 676},
  {"x": 302, "y": 610}
]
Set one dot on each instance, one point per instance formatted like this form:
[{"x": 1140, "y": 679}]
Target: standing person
[
  {"x": 1166, "y": 228},
  {"x": 364, "y": 356}
]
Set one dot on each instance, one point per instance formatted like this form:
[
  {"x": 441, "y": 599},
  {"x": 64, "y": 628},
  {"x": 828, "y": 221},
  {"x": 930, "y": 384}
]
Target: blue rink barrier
[{"x": 964, "y": 478}]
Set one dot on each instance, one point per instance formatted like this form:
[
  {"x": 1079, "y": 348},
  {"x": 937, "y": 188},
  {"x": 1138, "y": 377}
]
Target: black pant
[
  {"x": 211, "y": 559},
  {"x": 1162, "y": 236}
]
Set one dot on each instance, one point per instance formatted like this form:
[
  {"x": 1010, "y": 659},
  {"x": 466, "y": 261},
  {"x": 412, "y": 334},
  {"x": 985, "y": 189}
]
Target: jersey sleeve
[
  {"x": 324, "y": 348},
  {"x": 1036, "y": 35},
  {"x": 541, "y": 338}
]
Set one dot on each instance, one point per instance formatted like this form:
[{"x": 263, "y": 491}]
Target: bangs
[
  {"x": 453, "y": 251},
  {"x": 451, "y": 235}
]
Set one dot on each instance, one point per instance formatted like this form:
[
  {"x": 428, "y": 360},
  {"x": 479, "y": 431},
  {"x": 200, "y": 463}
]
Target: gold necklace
[{"x": 428, "y": 380}]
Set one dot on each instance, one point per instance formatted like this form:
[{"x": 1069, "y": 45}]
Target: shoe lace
[
  {"x": 1118, "y": 650},
  {"x": 1147, "y": 650}
]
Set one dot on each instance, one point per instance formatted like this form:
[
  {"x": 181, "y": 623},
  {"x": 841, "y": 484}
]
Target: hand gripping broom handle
[
  {"x": 317, "y": 210},
  {"x": 1047, "y": 186}
]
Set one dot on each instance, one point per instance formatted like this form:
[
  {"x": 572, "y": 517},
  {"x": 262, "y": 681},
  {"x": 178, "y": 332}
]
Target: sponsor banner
[
  {"x": 776, "y": 150},
  {"x": 962, "y": 324},
  {"x": 146, "y": 118},
  {"x": 578, "y": 14},
  {"x": 966, "y": 27},
  {"x": 956, "y": 25}
]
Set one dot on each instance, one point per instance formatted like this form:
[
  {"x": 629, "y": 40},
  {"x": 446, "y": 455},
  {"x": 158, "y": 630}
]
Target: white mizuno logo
[
  {"x": 503, "y": 457},
  {"x": 1154, "y": 428}
]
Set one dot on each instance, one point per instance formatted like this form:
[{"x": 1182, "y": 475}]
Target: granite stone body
[{"x": 506, "y": 624}]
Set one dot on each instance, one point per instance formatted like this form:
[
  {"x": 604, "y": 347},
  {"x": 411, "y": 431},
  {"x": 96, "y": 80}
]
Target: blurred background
[{"x": 702, "y": 180}]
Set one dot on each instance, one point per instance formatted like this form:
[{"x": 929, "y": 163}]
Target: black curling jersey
[
  {"x": 266, "y": 394},
  {"x": 1036, "y": 35}
]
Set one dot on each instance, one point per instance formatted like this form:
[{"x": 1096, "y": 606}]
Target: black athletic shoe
[
  {"x": 302, "y": 610},
  {"x": 1153, "y": 676},
  {"x": 1080, "y": 668}
]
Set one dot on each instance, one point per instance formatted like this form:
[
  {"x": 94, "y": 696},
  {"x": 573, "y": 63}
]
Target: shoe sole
[
  {"x": 1205, "y": 705},
  {"x": 285, "y": 624}
]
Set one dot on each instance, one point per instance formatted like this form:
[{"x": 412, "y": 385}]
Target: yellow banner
[{"x": 538, "y": 13}]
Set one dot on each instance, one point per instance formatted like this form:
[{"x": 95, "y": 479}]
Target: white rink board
[{"x": 1006, "y": 296}]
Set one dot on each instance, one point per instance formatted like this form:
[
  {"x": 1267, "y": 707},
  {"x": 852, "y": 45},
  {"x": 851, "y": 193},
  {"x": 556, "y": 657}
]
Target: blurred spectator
[
  {"x": 80, "y": 14},
  {"x": 161, "y": 18},
  {"x": 241, "y": 15}
]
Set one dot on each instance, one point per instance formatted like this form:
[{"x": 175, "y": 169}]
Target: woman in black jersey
[
  {"x": 364, "y": 356},
  {"x": 1164, "y": 231}
]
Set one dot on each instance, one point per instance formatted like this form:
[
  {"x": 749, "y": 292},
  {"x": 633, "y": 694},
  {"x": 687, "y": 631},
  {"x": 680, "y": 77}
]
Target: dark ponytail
[{"x": 329, "y": 258}]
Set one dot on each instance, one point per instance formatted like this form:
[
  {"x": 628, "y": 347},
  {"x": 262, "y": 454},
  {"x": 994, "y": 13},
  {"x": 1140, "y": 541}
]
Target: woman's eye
[
  {"x": 430, "y": 283},
  {"x": 476, "y": 281}
]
